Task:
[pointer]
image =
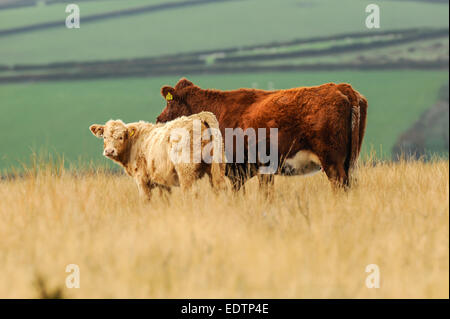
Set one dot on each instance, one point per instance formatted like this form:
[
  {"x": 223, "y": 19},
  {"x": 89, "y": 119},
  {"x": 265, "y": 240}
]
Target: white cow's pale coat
[{"x": 145, "y": 151}]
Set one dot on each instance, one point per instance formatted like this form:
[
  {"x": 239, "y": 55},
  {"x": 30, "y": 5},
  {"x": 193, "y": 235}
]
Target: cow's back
[
  {"x": 299, "y": 113},
  {"x": 157, "y": 157},
  {"x": 162, "y": 139}
]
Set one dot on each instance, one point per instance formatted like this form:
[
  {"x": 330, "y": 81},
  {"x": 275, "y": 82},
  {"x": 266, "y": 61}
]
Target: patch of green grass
[
  {"x": 56, "y": 116},
  {"x": 20, "y": 17},
  {"x": 211, "y": 26}
]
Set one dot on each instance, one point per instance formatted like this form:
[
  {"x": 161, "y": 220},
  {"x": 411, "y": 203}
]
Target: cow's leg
[
  {"x": 337, "y": 175},
  {"x": 352, "y": 178},
  {"x": 266, "y": 184},
  {"x": 237, "y": 175},
  {"x": 237, "y": 182},
  {"x": 187, "y": 175},
  {"x": 186, "y": 181},
  {"x": 145, "y": 188},
  {"x": 164, "y": 192},
  {"x": 216, "y": 174}
]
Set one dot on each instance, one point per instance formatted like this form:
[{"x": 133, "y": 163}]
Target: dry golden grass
[{"x": 308, "y": 242}]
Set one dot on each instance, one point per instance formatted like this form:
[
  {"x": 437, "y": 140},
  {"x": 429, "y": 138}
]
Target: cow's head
[
  {"x": 116, "y": 138},
  {"x": 176, "y": 104}
]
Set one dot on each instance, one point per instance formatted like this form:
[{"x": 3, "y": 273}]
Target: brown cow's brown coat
[{"x": 327, "y": 121}]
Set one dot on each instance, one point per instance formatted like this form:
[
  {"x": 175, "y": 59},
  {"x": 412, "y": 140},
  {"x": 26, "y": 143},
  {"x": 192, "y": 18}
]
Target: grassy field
[
  {"x": 56, "y": 116},
  {"x": 210, "y": 26},
  {"x": 308, "y": 242},
  {"x": 23, "y": 16},
  {"x": 422, "y": 50}
]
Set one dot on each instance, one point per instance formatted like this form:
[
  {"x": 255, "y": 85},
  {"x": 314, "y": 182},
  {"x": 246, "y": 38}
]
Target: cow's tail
[
  {"x": 357, "y": 125},
  {"x": 354, "y": 139},
  {"x": 218, "y": 157}
]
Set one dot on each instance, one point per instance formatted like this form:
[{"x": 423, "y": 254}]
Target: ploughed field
[{"x": 308, "y": 241}]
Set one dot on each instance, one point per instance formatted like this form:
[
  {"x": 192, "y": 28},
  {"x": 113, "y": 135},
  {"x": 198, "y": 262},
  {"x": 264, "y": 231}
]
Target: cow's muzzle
[{"x": 110, "y": 152}]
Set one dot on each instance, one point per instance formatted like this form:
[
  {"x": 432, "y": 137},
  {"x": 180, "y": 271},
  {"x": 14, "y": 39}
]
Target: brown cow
[{"x": 318, "y": 127}]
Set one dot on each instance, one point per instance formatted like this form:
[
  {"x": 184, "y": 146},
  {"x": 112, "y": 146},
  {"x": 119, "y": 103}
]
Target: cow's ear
[
  {"x": 183, "y": 83},
  {"x": 131, "y": 130},
  {"x": 97, "y": 130},
  {"x": 168, "y": 93}
]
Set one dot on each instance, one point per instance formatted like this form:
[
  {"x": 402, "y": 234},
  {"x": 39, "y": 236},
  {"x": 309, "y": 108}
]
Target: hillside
[
  {"x": 55, "y": 82},
  {"x": 55, "y": 116},
  {"x": 209, "y": 26},
  {"x": 429, "y": 134}
]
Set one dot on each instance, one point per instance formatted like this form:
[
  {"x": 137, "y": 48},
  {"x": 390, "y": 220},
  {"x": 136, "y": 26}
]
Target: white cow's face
[{"x": 116, "y": 138}]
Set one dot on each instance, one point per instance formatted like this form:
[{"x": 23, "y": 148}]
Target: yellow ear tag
[
  {"x": 169, "y": 97},
  {"x": 131, "y": 133}
]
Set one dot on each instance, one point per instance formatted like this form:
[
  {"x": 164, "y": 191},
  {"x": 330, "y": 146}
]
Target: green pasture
[
  {"x": 201, "y": 27},
  {"x": 423, "y": 50},
  {"x": 41, "y": 13},
  {"x": 55, "y": 116}
]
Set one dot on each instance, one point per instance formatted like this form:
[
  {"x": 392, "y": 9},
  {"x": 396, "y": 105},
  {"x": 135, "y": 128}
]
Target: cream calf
[{"x": 176, "y": 153}]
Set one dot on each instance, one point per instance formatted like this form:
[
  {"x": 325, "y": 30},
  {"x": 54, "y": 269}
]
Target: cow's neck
[
  {"x": 124, "y": 158},
  {"x": 206, "y": 100},
  {"x": 134, "y": 150}
]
